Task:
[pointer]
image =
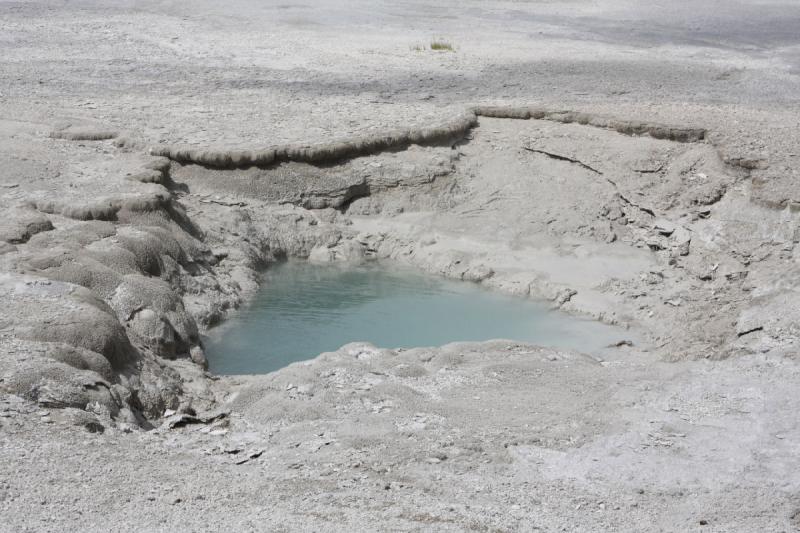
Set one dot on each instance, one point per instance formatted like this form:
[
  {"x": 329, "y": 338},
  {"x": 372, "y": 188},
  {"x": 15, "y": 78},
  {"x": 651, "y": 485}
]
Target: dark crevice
[
  {"x": 563, "y": 158},
  {"x": 749, "y": 331},
  {"x": 622, "y": 197}
]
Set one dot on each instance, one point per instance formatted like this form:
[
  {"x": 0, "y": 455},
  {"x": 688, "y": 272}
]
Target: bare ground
[{"x": 645, "y": 176}]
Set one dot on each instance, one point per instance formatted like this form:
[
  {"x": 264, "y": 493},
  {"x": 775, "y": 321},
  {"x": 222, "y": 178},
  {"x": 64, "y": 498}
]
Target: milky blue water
[{"x": 305, "y": 309}]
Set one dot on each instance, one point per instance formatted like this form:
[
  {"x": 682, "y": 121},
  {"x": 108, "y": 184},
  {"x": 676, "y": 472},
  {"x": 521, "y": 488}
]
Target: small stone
[
  {"x": 664, "y": 227},
  {"x": 255, "y": 454},
  {"x": 198, "y": 356},
  {"x": 620, "y": 344},
  {"x": 564, "y": 296},
  {"x": 93, "y": 426}
]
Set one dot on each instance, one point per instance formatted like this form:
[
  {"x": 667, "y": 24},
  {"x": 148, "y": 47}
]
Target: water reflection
[{"x": 305, "y": 309}]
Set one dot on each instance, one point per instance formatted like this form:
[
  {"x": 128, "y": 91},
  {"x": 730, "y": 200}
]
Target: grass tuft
[{"x": 442, "y": 46}]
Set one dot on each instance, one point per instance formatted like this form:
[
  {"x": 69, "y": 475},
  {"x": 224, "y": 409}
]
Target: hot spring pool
[{"x": 305, "y": 309}]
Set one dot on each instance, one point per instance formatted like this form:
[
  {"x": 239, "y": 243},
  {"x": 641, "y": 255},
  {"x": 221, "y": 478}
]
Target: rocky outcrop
[
  {"x": 340, "y": 150},
  {"x": 349, "y": 148},
  {"x": 626, "y": 127},
  {"x": 19, "y": 225},
  {"x": 300, "y": 184}
]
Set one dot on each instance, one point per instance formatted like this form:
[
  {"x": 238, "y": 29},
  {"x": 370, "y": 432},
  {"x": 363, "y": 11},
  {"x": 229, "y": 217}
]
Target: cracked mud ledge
[{"x": 398, "y": 139}]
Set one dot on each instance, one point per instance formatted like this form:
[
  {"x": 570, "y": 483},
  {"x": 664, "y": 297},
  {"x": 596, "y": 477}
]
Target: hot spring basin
[{"x": 305, "y": 309}]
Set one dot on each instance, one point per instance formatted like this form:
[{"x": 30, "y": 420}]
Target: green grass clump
[{"x": 443, "y": 46}]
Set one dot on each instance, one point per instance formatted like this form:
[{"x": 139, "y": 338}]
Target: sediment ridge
[{"x": 452, "y": 130}]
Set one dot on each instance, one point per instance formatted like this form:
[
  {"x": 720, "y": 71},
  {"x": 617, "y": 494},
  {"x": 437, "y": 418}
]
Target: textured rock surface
[{"x": 608, "y": 157}]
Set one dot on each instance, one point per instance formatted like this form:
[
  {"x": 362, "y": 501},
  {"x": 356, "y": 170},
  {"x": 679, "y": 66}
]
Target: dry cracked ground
[{"x": 636, "y": 164}]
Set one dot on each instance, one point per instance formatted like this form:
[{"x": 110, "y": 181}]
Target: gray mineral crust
[{"x": 634, "y": 163}]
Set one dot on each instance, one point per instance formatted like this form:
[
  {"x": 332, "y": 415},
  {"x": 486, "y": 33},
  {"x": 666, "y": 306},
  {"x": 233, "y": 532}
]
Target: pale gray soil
[{"x": 118, "y": 249}]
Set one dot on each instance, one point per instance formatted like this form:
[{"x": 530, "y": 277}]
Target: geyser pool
[{"x": 305, "y": 309}]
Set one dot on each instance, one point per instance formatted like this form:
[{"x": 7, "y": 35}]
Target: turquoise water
[{"x": 305, "y": 309}]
